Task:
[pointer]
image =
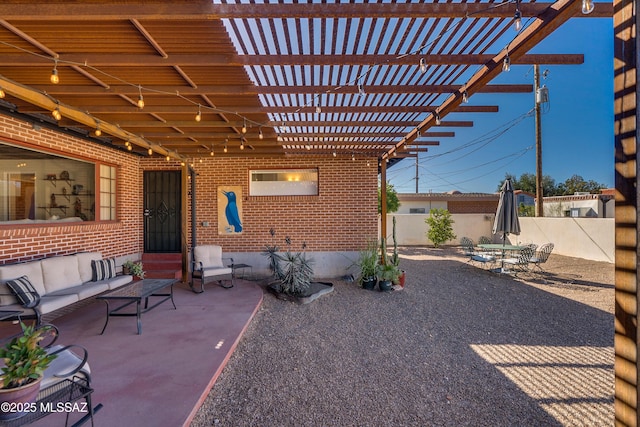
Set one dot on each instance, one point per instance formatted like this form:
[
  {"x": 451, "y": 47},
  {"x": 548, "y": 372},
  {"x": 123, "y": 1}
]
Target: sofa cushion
[
  {"x": 51, "y": 303},
  {"x": 84, "y": 264},
  {"x": 118, "y": 281},
  {"x": 208, "y": 256},
  {"x": 24, "y": 291},
  {"x": 83, "y": 291},
  {"x": 60, "y": 272},
  {"x": 103, "y": 269},
  {"x": 31, "y": 269}
]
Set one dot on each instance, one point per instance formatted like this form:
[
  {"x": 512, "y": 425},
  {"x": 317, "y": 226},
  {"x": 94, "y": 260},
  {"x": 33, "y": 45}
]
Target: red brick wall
[
  {"x": 113, "y": 238},
  {"x": 340, "y": 218},
  {"x": 469, "y": 206}
]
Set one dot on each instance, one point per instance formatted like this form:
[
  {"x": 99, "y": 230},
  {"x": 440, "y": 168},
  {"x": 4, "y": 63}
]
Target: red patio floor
[{"x": 161, "y": 377}]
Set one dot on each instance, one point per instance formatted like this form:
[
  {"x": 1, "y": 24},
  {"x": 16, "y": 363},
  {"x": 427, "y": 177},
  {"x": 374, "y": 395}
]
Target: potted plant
[
  {"x": 366, "y": 263},
  {"x": 133, "y": 268},
  {"x": 386, "y": 271},
  {"x": 387, "y": 274},
  {"x": 25, "y": 362}
]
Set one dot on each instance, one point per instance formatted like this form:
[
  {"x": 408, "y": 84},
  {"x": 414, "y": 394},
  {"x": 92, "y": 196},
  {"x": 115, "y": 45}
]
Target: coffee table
[{"x": 135, "y": 293}]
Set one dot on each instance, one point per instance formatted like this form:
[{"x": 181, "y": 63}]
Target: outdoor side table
[
  {"x": 135, "y": 293},
  {"x": 242, "y": 267}
]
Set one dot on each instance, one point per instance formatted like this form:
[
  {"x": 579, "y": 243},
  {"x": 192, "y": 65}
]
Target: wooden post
[
  {"x": 539, "y": 195},
  {"x": 625, "y": 24}
]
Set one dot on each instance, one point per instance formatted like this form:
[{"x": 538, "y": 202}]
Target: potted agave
[{"x": 25, "y": 362}]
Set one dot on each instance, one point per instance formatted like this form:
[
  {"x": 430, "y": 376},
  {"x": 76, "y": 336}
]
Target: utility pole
[
  {"x": 538, "y": 100},
  {"x": 417, "y": 174}
]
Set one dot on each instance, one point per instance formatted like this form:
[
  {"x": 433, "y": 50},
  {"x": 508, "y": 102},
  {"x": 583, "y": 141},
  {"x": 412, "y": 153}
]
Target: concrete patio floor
[{"x": 158, "y": 378}]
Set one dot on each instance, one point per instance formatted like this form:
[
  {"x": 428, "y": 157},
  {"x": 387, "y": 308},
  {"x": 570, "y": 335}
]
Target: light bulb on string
[
  {"x": 225, "y": 148},
  {"x": 168, "y": 157},
  {"x": 244, "y": 126},
  {"x": 517, "y": 20},
  {"x": 438, "y": 121},
  {"x": 55, "y": 79},
  {"x": 360, "y": 88},
  {"x": 98, "y": 132},
  {"x": 150, "y": 151},
  {"x": 242, "y": 144},
  {"x": 423, "y": 65},
  {"x": 199, "y": 114},
  {"x": 587, "y": 6},
  {"x": 506, "y": 64},
  {"x": 260, "y": 134},
  {"x": 140, "y": 98},
  {"x": 56, "y": 113},
  {"x": 2, "y": 94},
  {"x": 465, "y": 97}
]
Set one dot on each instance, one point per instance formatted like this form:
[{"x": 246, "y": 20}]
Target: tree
[
  {"x": 440, "y": 226},
  {"x": 393, "y": 204},
  {"x": 577, "y": 184}
]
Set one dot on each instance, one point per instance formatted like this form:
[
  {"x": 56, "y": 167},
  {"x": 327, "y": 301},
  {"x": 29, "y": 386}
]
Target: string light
[
  {"x": 506, "y": 64},
  {"x": 587, "y": 6},
  {"x": 55, "y": 79},
  {"x": 423, "y": 65},
  {"x": 2, "y": 94},
  {"x": 56, "y": 113},
  {"x": 225, "y": 148},
  {"x": 199, "y": 115},
  {"x": 168, "y": 157},
  {"x": 98, "y": 132},
  {"x": 318, "y": 109},
  {"x": 129, "y": 147},
  {"x": 211, "y": 153},
  {"x": 465, "y": 97},
  {"x": 260, "y": 134},
  {"x": 334, "y": 153},
  {"x": 244, "y": 126},
  {"x": 242, "y": 144},
  {"x": 517, "y": 17},
  {"x": 140, "y": 98},
  {"x": 438, "y": 121},
  {"x": 150, "y": 151},
  {"x": 360, "y": 88}
]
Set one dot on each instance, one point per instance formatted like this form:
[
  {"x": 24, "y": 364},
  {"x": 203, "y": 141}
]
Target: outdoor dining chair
[
  {"x": 541, "y": 256},
  {"x": 474, "y": 255},
  {"x": 520, "y": 263}
]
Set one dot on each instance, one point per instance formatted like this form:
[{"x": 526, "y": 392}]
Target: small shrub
[{"x": 440, "y": 226}]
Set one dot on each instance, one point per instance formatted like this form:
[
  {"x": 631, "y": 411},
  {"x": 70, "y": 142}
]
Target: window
[
  {"x": 107, "y": 192},
  {"x": 37, "y": 186},
  {"x": 417, "y": 210},
  {"x": 284, "y": 182}
]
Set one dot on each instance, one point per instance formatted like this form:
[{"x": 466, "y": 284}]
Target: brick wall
[
  {"x": 471, "y": 206},
  {"x": 113, "y": 238},
  {"x": 340, "y": 218}
]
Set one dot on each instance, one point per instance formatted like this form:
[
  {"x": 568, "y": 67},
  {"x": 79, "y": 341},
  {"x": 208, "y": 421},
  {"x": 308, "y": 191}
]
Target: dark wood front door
[{"x": 162, "y": 211}]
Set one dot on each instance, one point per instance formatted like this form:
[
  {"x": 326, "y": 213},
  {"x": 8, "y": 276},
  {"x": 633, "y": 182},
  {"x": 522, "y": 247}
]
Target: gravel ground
[{"x": 458, "y": 346}]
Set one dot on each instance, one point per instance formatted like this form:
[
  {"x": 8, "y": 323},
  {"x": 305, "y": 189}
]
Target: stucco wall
[{"x": 587, "y": 238}]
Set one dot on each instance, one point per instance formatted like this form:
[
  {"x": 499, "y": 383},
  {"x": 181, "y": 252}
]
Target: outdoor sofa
[{"x": 38, "y": 287}]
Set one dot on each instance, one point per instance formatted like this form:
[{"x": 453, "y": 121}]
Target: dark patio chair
[
  {"x": 474, "y": 255},
  {"x": 541, "y": 256},
  {"x": 520, "y": 263}
]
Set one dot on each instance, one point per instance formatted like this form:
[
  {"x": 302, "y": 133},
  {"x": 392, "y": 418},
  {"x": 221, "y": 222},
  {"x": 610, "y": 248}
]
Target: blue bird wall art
[{"x": 231, "y": 212}]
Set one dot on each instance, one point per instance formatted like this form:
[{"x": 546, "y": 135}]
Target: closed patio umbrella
[{"x": 506, "y": 221}]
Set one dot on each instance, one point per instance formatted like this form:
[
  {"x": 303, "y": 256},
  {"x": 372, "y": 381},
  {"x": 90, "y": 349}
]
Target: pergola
[
  {"x": 199, "y": 78},
  {"x": 320, "y": 79}
]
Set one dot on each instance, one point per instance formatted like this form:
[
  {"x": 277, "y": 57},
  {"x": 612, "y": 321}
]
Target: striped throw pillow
[
  {"x": 103, "y": 269},
  {"x": 24, "y": 291}
]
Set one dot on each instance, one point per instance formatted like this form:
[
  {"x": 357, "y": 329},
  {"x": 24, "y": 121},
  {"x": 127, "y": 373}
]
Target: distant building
[
  {"x": 524, "y": 198},
  {"x": 454, "y": 201},
  {"x": 581, "y": 205}
]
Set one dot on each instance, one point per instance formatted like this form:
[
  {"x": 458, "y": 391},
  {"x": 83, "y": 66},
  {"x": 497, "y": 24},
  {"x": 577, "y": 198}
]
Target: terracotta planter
[
  {"x": 20, "y": 396},
  {"x": 401, "y": 279}
]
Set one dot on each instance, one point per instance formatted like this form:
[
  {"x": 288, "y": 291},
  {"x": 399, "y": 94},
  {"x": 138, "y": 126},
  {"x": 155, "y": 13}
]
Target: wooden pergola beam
[
  {"x": 17, "y": 10},
  {"x": 220, "y": 60}
]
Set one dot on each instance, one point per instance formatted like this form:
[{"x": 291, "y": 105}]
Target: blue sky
[{"x": 577, "y": 124}]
